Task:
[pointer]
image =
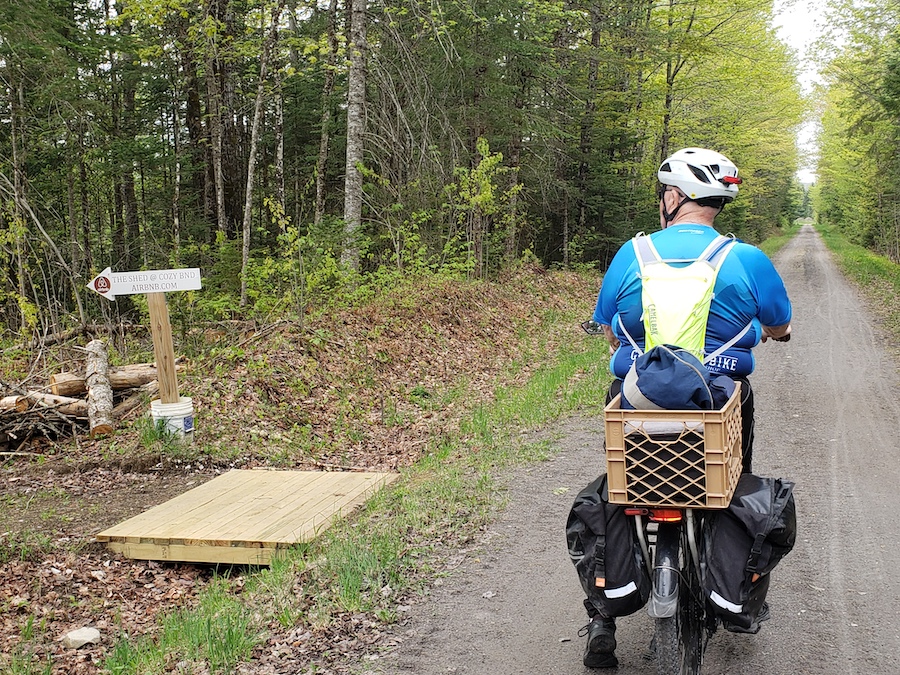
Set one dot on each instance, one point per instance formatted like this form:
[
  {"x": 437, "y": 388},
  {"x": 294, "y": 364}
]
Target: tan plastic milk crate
[{"x": 683, "y": 458}]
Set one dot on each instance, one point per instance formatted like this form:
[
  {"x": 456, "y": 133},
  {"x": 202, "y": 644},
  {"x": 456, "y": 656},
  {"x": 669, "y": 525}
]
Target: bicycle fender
[{"x": 663, "y": 600}]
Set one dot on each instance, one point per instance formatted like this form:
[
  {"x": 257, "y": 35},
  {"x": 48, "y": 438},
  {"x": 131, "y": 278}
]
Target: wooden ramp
[{"x": 243, "y": 517}]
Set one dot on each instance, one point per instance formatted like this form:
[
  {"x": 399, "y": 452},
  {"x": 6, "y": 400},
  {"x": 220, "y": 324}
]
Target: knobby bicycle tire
[{"x": 680, "y": 638}]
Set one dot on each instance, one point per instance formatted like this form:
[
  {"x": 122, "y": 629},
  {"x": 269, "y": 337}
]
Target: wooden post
[{"x": 161, "y": 330}]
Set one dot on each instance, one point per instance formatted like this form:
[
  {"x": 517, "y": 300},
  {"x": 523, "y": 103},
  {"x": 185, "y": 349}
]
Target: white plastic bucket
[{"x": 179, "y": 417}]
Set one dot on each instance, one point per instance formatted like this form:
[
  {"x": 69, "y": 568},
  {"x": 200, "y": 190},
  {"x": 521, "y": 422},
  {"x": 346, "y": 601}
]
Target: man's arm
[
  {"x": 611, "y": 337},
  {"x": 780, "y": 333},
  {"x": 775, "y": 311}
]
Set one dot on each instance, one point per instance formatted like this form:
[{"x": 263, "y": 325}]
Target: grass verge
[
  {"x": 876, "y": 276},
  {"x": 217, "y": 634},
  {"x": 772, "y": 245}
]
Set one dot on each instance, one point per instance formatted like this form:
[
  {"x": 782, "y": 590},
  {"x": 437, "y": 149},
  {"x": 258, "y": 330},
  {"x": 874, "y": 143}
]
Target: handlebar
[{"x": 592, "y": 327}]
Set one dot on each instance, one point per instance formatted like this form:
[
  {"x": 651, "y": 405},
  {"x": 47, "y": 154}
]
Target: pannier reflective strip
[
  {"x": 620, "y": 592},
  {"x": 724, "y": 604}
]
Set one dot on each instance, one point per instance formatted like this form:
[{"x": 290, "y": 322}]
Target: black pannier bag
[
  {"x": 743, "y": 543},
  {"x": 606, "y": 553}
]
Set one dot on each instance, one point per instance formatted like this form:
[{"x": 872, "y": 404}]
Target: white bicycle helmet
[{"x": 701, "y": 174}]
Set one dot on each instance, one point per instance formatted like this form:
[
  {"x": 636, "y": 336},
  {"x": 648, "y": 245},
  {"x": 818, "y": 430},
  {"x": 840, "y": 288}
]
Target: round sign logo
[{"x": 102, "y": 285}]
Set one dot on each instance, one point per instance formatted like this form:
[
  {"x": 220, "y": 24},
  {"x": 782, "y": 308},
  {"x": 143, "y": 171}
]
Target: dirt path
[{"x": 827, "y": 416}]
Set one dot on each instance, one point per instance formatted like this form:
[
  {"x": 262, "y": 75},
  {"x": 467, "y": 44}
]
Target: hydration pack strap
[
  {"x": 728, "y": 345},
  {"x": 630, "y": 339},
  {"x": 714, "y": 253}
]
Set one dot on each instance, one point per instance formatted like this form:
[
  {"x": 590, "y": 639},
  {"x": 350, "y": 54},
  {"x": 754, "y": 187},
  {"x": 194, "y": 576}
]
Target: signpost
[
  {"x": 109, "y": 284},
  {"x": 155, "y": 284}
]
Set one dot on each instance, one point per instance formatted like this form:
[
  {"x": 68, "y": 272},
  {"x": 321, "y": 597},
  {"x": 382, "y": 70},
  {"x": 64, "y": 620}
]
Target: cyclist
[{"x": 749, "y": 305}]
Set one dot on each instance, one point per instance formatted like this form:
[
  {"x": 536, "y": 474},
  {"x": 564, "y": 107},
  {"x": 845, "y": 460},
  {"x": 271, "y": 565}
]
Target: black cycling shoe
[
  {"x": 601, "y": 643},
  {"x": 764, "y": 615}
]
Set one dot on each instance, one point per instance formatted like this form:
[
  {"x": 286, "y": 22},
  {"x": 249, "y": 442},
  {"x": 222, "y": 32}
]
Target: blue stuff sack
[{"x": 671, "y": 378}]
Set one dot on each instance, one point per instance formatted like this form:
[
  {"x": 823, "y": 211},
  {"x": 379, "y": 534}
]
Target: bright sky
[{"x": 797, "y": 23}]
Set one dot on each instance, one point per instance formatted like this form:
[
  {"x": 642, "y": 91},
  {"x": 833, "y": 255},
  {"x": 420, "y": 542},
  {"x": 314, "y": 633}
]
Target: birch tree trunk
[
  {"x": 586, "y": 142},
  {"x": 325, "y": 122},
  {"x": 100, "y": 396},
  {"x": 17, "y": 142},
  {"x": 214, "y": 108},
  {"x": 674, "y": 64},
  {"x": 84, "y": 204},
  {"x": 279, "y": 152},
  {"x": 356, "y": 124},
  {"x": 176, "y": 192},
  {"x": 254, "y": 136},
  {"x": 74, "y": 250}
]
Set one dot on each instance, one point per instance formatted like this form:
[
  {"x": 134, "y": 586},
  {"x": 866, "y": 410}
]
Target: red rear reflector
[
  {"x": 636, "y": 512},
  {"x": 665, "y": 515},
  {"x": 732, "y": 180}
]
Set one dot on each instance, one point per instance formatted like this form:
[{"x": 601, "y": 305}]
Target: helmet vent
[
  {"x": 698, "y": 174},
  {"x": 665, "y": 167}
]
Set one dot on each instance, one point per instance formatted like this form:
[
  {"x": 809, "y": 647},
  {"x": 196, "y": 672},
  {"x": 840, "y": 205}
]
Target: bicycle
[
  {"x": 683, "y": 624},
  {"x": 669, "y": 481}
]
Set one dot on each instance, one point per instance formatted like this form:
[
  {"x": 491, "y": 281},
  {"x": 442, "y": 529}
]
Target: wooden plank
[
  {"x": 169, "y": 516},
  {"x": 320, "y": 514},
  {"x": 294, "y": 498},
  {"x": 169, "y": 520},
  {"x": 304, "y": 496},
  {"x": 342, "y": 490},
  {"x": 163, "y": 347},
  {"x": 225, "y": 555},
  {"x": 262, "y": 497},
  {"x": 243, "y": 517},
  {"x": 173, "y": 512}
]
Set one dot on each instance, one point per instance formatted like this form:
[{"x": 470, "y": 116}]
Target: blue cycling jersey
[{"x": 748, "y": 290}]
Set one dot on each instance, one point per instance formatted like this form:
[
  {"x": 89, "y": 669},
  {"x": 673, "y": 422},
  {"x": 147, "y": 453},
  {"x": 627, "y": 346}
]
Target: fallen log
[
  {"x": 121, "y": 377},
  {"x": 73, "y": 407},
  {"x": 99, "y": 396},
  {"x": 135, "y": 400},
  {"x": 15, "y": 402},
  {"x": 67, "y": 384}
]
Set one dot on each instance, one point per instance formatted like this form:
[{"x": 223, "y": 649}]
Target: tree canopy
[
  {"x": 859, "y": 155},
  {"x": 220, "y": 134}
]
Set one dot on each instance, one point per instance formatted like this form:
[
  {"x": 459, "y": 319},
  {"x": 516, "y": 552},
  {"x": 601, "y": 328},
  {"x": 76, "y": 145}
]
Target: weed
[
  {"x": 877, "y": 276},
  {"x": 421, "y": 397},
  {"x": 27, "y": 545},
  {"x": 158, "y": 435},
  {"x": 218, "y": 633},
  {"x": 22, "y": 661}
]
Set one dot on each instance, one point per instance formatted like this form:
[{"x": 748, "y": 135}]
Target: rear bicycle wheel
[{"x": 680, "y": 638}]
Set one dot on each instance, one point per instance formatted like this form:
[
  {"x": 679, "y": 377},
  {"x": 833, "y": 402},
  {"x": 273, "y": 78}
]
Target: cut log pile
[{"x": 96, "y": 399}]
